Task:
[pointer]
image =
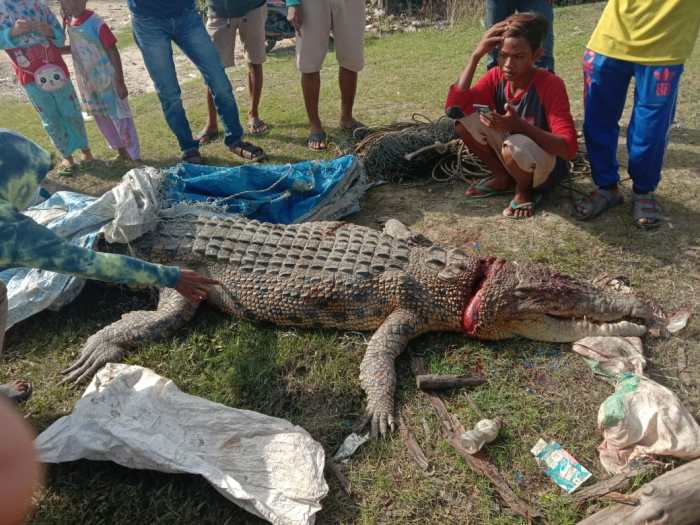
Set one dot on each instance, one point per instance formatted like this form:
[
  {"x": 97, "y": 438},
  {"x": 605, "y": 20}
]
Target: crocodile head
[{"x": 530, "y": 300}]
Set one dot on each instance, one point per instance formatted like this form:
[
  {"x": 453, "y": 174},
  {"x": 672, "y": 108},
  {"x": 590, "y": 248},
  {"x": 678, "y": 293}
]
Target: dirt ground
[{"x": 116, "y": 15}]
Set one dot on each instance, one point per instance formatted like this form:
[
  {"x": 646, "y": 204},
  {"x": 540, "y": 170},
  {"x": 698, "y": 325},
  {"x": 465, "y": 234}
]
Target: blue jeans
[
  {"x": 498, "y": 10},
  {"x": 154, "y": 36},
  {"x": 606, "y": 81}
]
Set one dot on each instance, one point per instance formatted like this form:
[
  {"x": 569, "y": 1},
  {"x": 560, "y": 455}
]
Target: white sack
[
  {"x": 644, "y": 418},
  {"x": 641, "y": 417},
  {"x": 138, "y": 419}
]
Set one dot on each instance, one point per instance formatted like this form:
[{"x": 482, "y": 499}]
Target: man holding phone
[{"x": 516, "y": 118}]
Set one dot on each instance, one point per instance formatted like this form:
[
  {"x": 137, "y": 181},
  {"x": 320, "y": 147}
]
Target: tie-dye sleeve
[
  {"x": 25, "y": 243},
  {"x": 59, "y": 37}
]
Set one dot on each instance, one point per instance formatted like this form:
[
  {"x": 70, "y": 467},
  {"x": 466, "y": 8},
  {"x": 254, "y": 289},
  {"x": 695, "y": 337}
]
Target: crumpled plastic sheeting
[
  {"x": 641, "y": 417},
  {"x": 138, "y": 419},
  {"x": 611, "y": 356}
]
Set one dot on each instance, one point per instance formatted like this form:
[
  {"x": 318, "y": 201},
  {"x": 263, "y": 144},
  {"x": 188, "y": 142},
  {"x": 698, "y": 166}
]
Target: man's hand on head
[
  {"x": 492, "y": 39},
  {"x": 295, "y": 18}
]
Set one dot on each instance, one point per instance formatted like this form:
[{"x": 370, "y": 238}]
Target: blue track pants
[{"x": 605, "y": 89}]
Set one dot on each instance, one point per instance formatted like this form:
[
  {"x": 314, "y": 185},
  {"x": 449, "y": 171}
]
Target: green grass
[{"x": 311, "y": 378}]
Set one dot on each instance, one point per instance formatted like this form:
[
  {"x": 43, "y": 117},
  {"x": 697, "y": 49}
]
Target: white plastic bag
[
  {"x": 641, "y": 417},
  {"x": 138, "y": 419}
]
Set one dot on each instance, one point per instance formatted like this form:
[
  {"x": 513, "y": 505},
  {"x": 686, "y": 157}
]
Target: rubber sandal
[
  {"x": 257, "y": 127},
  {"x": 207, "y": 136},
  {"x": 530, "y": 205},
  {"x": 88, "y": 164},
  {"x": 247, "y": 151},
  {"x": 317, "y": 137},
  {"x": 11, "y": 392},
  {"x": 598, "y": 201},
  {"x": 192, "y": 156},
  {"x": 644, "y": 206},
  {"x": 485, "y": 190},
  {"x": 66, "y": 171}
]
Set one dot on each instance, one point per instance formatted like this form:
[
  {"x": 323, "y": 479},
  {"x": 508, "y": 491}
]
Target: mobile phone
[{"x": 482, "y": 109}]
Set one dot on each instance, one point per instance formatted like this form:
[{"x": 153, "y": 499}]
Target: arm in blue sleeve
[
  {"x": 25, "y": 243},
  {"x": 292, "y": 3},
  {"x": 59, "y": 37},
  {"x": 6, "y": 40}
]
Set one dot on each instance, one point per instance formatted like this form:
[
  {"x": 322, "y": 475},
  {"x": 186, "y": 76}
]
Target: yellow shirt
[{"x": 647, "y": 31}]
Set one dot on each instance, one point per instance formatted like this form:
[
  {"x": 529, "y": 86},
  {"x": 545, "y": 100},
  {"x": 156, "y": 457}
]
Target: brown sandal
[{"x": 247, "y": 151}]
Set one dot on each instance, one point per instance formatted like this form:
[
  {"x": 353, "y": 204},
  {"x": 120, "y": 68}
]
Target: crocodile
[{"x": 344, "y": 276}]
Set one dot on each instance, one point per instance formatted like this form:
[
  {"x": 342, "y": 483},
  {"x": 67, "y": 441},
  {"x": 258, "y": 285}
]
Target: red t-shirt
[
  {"x": 37, "y": 62},
  {"x": 544, "y": 103}
]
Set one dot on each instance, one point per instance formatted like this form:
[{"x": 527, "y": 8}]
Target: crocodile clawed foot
[
  {"x": 381, "y": 422},
  {"x": 94, "y": 356}
]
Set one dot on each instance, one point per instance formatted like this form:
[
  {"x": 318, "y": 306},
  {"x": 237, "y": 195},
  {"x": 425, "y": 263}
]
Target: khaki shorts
[
  {"x": 525, "y": 152},
  {"x": 346, "y": 19},
  {"x": 251, "y": 29}
]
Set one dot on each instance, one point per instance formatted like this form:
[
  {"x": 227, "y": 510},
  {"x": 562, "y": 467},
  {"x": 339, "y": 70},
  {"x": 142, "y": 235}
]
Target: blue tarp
[{"x": 272, "y": 193}]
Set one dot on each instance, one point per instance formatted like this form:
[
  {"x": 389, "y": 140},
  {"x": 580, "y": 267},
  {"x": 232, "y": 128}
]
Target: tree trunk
[{"x": 671, "y": 498}]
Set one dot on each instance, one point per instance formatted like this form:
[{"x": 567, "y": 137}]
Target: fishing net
[{"x": 425, "y": 150}]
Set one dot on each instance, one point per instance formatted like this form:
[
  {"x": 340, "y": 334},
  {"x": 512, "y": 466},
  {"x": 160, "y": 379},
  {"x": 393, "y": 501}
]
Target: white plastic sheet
[
  {"x": 138, "y": 419},
  {"x": 642, "y": 417}
]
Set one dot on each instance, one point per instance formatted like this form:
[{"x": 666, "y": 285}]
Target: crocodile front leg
[
  {"x": 112, "y": 342},
  {"x": 377, "y": 374}
]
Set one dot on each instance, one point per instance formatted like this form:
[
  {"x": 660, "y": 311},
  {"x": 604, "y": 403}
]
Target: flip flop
[
  {"x": 644, "y": 206},
  {"x": 66, "y": 171},
  {"x": 257, "y": 126},
  {"x": 88, "y": 164},
  {"x": 206, "y": 136},
  {"x": 192, "y": 156},
  {"x": 13, "y": 393},
  {"x": 597, "y": 202},
  {"x": 485, "y": 190},
  {"x": 531, "y": 205},
  {"x": 247, "y": 151},
  {"x": 318, "y": 137}
]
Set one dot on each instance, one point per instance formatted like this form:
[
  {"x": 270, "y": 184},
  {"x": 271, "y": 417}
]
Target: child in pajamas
[
  {"x": 100, "y": 79},
  {"x": 31, "y": 35}
]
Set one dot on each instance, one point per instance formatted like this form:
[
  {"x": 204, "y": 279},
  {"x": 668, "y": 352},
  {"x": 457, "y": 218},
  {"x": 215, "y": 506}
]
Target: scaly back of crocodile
[{"x": 330, "y": 274}]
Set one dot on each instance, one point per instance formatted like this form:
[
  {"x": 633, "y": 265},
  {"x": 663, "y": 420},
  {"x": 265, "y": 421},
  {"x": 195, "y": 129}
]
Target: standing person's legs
[
  {"x": 496, "y": 11},
  {"x": 252, "y": 31},
  {"x": 63, "y": 122},
  {"x": 154, "y": 39},
  {"x": 655, "y": 96},
  {"x": 191, "y": 36},
  {"x": 348, "y": 23},
  {"x": 605, "y": 88},
  {"x": 544, "y": 8},
  {"x": 222, "y": 32},
  {"x": 311, "y": 49}
]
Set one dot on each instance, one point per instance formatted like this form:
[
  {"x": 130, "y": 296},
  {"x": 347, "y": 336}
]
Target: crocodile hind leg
[
  {"x": 112, "y": 342},
  {"x": 377, "y": 374}
]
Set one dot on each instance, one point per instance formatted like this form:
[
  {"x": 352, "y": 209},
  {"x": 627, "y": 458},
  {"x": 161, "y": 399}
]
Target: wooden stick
[
  {"x": 615, "y": 484},
  {"x": 673, "y": 497},
  {"x": 442, "y": 382},
  {"x": 478, "y": 462},
  {"x": 412, "y": 445},
  {"x": 338, "y": 473}
]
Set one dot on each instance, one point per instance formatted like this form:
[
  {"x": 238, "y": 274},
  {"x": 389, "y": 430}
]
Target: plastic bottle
[{"x": 483, "y": 432}]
